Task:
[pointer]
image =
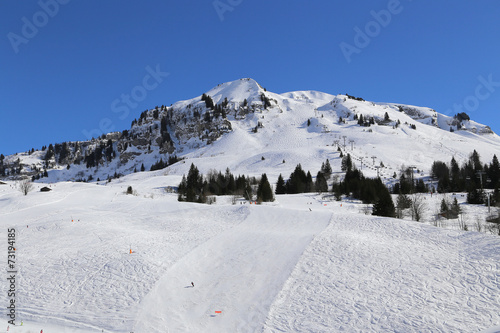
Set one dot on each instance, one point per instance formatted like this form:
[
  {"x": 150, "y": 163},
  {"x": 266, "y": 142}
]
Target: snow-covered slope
[
  {"x": 300, "y": 264},
  {"x": 380, "y": 275}
]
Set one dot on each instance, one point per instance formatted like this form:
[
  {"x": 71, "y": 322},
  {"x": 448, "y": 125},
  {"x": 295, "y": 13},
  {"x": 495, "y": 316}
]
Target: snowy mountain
[
  {"x": 127, "y": 256},
  {"x": 237, "y": 123}
]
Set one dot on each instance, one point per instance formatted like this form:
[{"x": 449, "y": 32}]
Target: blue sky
[{"x": 66, "y": 64}]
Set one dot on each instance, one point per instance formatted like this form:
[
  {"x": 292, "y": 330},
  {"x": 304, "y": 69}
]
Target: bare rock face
[
  {"x": 415, "y": 113},
  {"x": 167, "y": 148},
  {"x": 486, "y": 130},
  {"x": 129, "y": 156},
  {"x": 140, "y": 142}
]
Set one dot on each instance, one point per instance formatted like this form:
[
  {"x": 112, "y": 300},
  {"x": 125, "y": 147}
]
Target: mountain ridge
[{"x": 243, "y": 120}]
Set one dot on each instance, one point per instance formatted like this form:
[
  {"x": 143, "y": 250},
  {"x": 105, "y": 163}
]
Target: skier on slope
[{"x": 192, "y": 284}]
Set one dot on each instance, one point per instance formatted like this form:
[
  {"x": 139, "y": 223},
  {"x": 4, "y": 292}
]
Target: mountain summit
[{"x": 236, "y": 91}]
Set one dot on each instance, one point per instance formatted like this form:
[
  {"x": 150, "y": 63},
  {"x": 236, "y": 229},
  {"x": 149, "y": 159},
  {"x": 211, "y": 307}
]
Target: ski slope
[
  {"x": 300, "y": 264},
  {"x": 239, "y": 272},
  {"x": 380, "y": 275}
]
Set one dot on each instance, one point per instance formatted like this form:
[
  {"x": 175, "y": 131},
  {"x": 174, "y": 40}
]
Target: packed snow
[{"x": 300, "y": 264}]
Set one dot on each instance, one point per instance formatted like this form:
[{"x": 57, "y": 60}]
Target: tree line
[
  {"x": 472, "y": 177},
  {"x": 198, "y": 188}
]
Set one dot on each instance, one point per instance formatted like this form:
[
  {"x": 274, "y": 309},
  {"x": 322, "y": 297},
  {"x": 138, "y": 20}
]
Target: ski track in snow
[
  {"x": 378, "y": 275},
  {"x": 239, "y": 272}
]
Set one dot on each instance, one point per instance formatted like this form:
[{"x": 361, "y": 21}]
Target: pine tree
[
  {"x": 142, "y": 167},
  {"x": 297, "y": 181},
  {"x": 207, "y": 117},
  {"x": 326, "y": 169},
  {"x": 441, "y": 172},
  {"x": 403, "y": 202},
  {"x": 309, "y": 183},
  {"x": 386, "y": 117},
  {"x": 346, "y": 164},
  {"x": 209, "y": 103},
  {"x": 444, "y": 209},
  {"x": 49, "y": 154},
  {"x": 361, "y": 121},
  {"x": 264, "y": 191},
  {"x": 475, "y": 196},
  {"x": 109, "y": 150},
  {"x": 191, "y": 187},
  {"x": 421, "y": 187},
  {"x": 321, "y": 185},
  {"x": 181, "y": 189},
  {"x": 337, "y": 192},
  {"x": 476, "y": 161},
  {"x": 455, "y": 209},
  {"x": 280, "y": 185},
  {"x": 456, "y": 182},
  {"x": 494, "y": 173},
  {"x": 384, "y": 205}
]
